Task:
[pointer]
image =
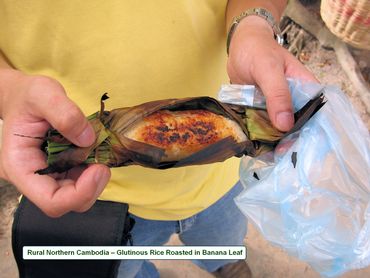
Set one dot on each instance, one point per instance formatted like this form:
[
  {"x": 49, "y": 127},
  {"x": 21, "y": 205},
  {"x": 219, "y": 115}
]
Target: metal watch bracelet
[{"x": 261, "y": 12}]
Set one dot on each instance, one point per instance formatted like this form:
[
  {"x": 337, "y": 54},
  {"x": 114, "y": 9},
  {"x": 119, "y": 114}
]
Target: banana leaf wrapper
[{"x": 172, "y": 133}]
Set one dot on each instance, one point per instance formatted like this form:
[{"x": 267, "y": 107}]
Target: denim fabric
[{"x": 220, "y": 224}]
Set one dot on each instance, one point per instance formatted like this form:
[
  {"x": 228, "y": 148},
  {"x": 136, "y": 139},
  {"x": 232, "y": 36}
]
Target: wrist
[
  {"x": 258, "y": 19},
  {"x": 250, "y": 32},
  {"x": 255, "y": 24}
]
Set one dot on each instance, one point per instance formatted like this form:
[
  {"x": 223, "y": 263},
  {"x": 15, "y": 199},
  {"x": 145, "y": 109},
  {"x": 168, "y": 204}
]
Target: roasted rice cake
[{"x": 182, "y": 133}]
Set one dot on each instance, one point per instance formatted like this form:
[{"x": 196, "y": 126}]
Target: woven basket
[{"x": 348, "y": 20}]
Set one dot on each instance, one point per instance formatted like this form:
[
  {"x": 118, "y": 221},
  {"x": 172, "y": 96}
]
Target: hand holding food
[{"x": 30, "y": 105}]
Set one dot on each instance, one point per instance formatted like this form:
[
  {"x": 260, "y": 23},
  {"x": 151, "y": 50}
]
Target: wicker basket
[{"x": 348, "y": 20}]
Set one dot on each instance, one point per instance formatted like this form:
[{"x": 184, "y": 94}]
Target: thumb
[
  {"x": 65, "y": 116},
  {"x": 69, "y": 120},
  {"x": 278, "y": 99}
]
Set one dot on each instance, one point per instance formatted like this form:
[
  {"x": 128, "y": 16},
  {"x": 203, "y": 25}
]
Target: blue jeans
[{"x": 220, "y": 224}]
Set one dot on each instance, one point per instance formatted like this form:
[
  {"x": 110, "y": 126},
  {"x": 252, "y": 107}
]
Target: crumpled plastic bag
[{"x": 311, "y": 196}]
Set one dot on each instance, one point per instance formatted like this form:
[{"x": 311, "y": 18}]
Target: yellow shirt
[{"x": 137, "y": 51}]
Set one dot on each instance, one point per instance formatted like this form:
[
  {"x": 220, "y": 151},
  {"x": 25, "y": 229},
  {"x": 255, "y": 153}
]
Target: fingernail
[
  {"x": 87, "y": 137},
  {"x": 284, "y": 121}
]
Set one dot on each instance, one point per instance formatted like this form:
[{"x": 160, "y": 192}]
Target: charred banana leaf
[{"x": 172, "y": 133}]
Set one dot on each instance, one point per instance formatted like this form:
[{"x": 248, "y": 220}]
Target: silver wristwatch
[{"x": 261, "y": 12}]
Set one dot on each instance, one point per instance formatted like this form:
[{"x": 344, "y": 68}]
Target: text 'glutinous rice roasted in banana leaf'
[{"x": 172, "y": 133}]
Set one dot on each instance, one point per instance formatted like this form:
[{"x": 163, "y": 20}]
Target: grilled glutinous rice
[{"x": 182, "y": 133}]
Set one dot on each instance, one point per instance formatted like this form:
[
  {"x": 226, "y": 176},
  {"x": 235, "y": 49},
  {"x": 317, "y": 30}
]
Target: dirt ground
[{"x": 265, "y": 260}]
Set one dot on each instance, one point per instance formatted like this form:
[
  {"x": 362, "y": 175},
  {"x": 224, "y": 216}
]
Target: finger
[
  {"x": 19, "y": 154},
  {"x": 283, "y": 147},
  {"x": 104, "y": 180},
  {"x": 84, "y": 191},
  {"x": 21, "y": 157},
  {"x": 56, "y": 198},
  {"x": 63, "y": 114},
  {"x": 268, "y": 74},
  {"x": 72, "y": 174},
  {"x": 90, "y": 199}
]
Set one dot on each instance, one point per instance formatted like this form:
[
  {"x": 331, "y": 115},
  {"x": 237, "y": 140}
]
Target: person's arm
[
  {"x": 236, "y": 7},
  {"x": 30, "y": 105},
  {"x": 256, "y": 58}
]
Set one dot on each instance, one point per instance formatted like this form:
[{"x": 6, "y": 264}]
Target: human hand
[
  {"x": 29, "y": 106},
  {"x": 256, "y": 58}
]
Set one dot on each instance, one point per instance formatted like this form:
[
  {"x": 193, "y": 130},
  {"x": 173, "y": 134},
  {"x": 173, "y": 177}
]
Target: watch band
[{"x": 261, "y": 12}]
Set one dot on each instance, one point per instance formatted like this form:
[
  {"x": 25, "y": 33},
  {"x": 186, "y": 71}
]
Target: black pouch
[{"x": 104, "y": 224}]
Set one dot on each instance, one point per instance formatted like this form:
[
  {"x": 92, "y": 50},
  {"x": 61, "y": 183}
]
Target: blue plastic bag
[{"x": 311, "y": 196}]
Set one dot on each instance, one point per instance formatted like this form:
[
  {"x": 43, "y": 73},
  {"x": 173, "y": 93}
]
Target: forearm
[
  {"x": 236, "y": 7},
  {"x": 9, "y": 78}
]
